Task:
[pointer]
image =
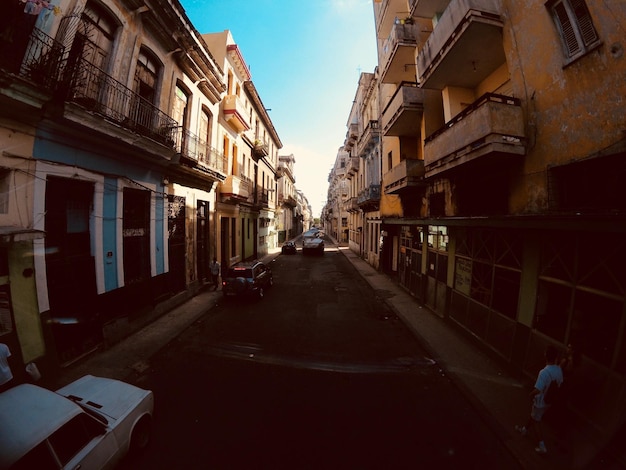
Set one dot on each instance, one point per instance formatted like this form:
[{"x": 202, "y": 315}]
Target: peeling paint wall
[{"x": 573, "y": 110}]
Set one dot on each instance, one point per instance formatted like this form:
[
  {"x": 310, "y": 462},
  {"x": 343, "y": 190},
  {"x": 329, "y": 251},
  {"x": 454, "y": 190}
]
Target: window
[
  {"x": 233, "y": 237},
  {"x": 204, "y": 131},
  {"x": 73, "y": 436},
  {"x": 6, "y": 321},
  {"x": 136, "y": 233},
  {"x": 98, "y": 35},
  {"x": 146, "y": 76},
  {"x": 575, "y": 26},
  {"x": 488, "y": 268},
  {"x": 4, "y": 192},
  {"x": 142, "y": 110},
  {"x": 180, "y": 108},
  {"x": 581, "y": 294}
]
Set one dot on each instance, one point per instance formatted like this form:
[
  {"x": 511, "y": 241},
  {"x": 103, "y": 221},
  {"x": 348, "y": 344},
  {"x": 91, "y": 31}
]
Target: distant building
[{"x": 287, "y": 201}]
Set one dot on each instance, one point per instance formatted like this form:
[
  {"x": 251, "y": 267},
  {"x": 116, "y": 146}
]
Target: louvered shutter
[
  {"x": 570, "y": 41},
  {"x": 585, "y": 25}
]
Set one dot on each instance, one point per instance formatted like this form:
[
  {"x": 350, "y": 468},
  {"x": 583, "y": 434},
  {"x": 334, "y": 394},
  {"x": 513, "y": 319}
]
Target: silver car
[{"x": 90, "y": 424}]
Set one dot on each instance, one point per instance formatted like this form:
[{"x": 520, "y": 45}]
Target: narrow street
[{"x": 318, "y": 374}]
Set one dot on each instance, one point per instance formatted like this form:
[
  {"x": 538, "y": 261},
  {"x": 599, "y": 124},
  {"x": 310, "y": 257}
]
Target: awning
[{"x": 9, "y": 234}]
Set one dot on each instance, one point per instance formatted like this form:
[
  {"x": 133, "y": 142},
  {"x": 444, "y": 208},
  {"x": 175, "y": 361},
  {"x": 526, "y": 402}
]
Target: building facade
[
  {"x": 335, "y": 214},
  {"x": 287, "y": 214},
  {"x": 502, "y": 149},
  {"x": 247, "y": 197},
  {"x": 130, "y": 157}
]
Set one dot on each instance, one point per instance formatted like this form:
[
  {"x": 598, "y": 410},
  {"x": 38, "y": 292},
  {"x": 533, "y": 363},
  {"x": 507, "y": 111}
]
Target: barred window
[{"x": 575, "y": 26}]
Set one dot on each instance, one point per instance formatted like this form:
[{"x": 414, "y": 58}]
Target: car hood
[{"x": 109, "y": 397}]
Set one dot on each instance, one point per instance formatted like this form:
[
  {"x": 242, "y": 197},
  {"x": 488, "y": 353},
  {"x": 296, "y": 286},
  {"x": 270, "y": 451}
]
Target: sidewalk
[{"x": 501, "y": 400}]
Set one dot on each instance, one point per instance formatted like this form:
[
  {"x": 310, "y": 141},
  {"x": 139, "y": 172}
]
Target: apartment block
[{"x": 502, "y": 152}]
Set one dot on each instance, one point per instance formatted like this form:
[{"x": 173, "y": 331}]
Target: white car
[
  {"x": 89, "y": 424},
  {"x": 312, "y": 242}
]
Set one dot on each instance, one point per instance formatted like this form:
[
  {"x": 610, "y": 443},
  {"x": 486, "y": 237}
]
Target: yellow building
[
  {"x": 502, "y": 203},
  {"x": 247, "y": 197}
]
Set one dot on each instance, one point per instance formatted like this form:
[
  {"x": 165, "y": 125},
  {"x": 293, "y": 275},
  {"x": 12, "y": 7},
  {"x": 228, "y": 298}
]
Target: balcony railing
[
  {"x": 407, "y": 174},
  {"x": 398, "y": 53},
  {"x": 492, "y": 125},
  {"x": 351, "y": 136},
  {"x": 261, "y": 149},
  {"x": 262, "y": 197},
  {"x": 369, "y": 196},
  {"x": 352, "y": 168},
  {"x": 96, "y": 91},
  {"x": 351, "y": 205},
  {"x": 465, "y": 25},
  {"x": 195, "y": 150},
  {"x": 369, "y": 138},
  {"x": 38, "y": 58},
  {"x": 287, "y": 200},
  {"x": 235, "y": 113},
  {"x": 236, "y": 188},
  {"x": 403, "y": 114}
]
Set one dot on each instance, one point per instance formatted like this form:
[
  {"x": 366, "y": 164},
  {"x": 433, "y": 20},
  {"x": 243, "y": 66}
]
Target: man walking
[
  {"x": 215, "y": 272},
  {"x": 551, "y": 372},
  {"x": 6, "y": 376}
]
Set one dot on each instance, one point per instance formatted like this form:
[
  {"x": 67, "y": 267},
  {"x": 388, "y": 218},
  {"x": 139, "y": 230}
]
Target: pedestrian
[
  {"x": 551, "y": 372},
  {"x": 6, "y": 376},
  {"x": 215, "y": 272}
]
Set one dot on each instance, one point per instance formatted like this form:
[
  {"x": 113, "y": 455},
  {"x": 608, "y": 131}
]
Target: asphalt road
[{"x": 317, "y": 375}]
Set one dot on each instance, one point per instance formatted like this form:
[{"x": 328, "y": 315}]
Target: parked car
[
  {"x": 312, "y": 242},
  {"x": 289, "y": 248},
  {"x": 247, "y": 278},
  {"x": 90, "y": 423}
]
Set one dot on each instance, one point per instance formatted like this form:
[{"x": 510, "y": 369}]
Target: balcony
[
  {"x": 352, "y": 168},
  {"x": 95, "y": 91},
  {"x": 351, "y": 137},
  {"x": 409, "y": 174},
  {"x": 287, "y": 200},
  {"x": 351, "y": 205},
  {"x": 369, "y": 138},
  {"x": 427, "y": 8},
  {"x": 398, "y": 53},
  {"x": 235, "y": 113},
  {"x": 235, "y": 188},
  {"x": 387, "y": 13},
  {"x": 490, "y": 130},
  {"x": 37, "y": 58},
  {"x": 369, "y": 198},
  {"x": 465, "y": 46},
  {"x": 403, "y": 114},
  {"x": 260, "y": 149},
  {"x": 197, "y": 153},
  {"x": 261, "y": 198}
]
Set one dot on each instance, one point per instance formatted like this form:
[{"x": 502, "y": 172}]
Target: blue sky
[{"x": 305, "y": 57}]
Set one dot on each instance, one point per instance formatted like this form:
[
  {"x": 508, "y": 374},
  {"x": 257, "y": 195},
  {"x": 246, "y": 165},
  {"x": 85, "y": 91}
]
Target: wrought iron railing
[
  {"x": 196, "y": 149},
  {"x": 262, "y": 197},
  {"x": 37, "y": 58},
  {"x": 92, "y": 88},
  {"x": 369, "y": 194}
]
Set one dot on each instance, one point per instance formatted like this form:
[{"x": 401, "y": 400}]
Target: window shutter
[
  {"x": 570, "y": 41},
  {"x": 587, "y": 31}
]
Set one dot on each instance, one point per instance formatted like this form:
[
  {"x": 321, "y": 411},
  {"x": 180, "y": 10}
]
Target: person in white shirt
[
  {"x": 551, "y": 372},
  {"x": 215, "y": 273},
  {"x": 6, "y": 376}
]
